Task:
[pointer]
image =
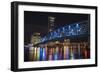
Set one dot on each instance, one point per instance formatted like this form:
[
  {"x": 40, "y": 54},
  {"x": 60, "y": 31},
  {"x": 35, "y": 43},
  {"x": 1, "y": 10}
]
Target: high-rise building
[{"x": 51, "y": 21}]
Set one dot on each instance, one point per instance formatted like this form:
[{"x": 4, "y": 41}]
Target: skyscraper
[{"x": 51, "y": 21}]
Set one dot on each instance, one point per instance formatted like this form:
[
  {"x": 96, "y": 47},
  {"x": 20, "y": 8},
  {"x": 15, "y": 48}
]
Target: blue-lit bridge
[{"x": 68, "y": 30}]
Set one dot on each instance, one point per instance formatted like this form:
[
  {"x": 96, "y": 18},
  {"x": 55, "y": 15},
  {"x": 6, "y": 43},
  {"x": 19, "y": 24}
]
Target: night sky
[{"x": 38, "y": 22}]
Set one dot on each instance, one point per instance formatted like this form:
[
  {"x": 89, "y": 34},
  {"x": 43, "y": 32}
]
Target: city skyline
[
  {"x": 37, "y": 21},
  {"x": 56, "y": 36}
]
